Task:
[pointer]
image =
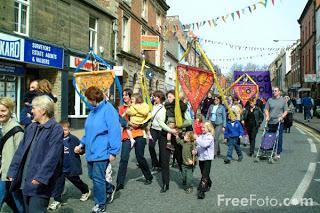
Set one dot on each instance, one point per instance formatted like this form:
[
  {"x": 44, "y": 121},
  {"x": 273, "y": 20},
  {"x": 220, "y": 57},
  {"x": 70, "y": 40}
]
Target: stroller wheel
[{"x": 271, "y": 161}]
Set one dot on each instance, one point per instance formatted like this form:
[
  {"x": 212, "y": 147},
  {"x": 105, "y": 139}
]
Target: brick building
[
  {"x": 293, "y": 77},
  {"x": 308, "y": 54},
  {"x": 66, "y": 29},
  {"x": 136, "y": 18},
  {"x": 175, "y": 46}
]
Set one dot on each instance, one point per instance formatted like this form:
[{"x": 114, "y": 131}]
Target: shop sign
[
  {"x": 11, "y": 47},
  {"x": 43, "y": 54}
]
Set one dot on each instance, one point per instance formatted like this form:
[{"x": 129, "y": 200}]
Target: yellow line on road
[{"x": 311, "y": 132}]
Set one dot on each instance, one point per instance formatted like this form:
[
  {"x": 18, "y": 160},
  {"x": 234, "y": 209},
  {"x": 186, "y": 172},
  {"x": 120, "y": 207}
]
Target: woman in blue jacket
[
  {"x": 218, "y": 117},
  {"x": 102, "y": 141},
  {"x": 37, "y": 163}
]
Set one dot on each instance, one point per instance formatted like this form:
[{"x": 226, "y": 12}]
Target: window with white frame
[
  {"x": 21, "y": 16},
  {"x": 144, "y": 12},
  {"x": 158, "y": 21},
  {"x": 125, "y": 34},
  {"x": 93, "y": 33}
]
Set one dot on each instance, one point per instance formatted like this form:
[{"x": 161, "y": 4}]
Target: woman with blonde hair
[
  {"x": 12, "y": 135},
  {"x": 45, "y": 88},
  {"x": 37, "y": 163},
  {"x": 205, "y": 151}
]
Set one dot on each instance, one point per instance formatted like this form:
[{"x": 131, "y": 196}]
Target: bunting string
[
  {"x": 243, "y": 58},
  {"x": 223, "y": 19},
  {"x": 238, "y": 47}
]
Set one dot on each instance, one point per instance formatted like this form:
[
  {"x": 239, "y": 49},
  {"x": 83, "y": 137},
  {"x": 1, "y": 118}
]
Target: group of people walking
[{"x": 36, "y": 160}]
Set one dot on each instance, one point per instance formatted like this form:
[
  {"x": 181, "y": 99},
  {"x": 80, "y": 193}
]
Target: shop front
[{"x": 23, "y": 60}]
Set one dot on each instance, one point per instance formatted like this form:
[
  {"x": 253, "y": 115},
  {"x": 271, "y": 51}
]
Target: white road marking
[
  {"x": 297, "y": 197},
  {"x": 313, "y": 147},
  {"x": 318, "y": 180},
  {"x": 302, "y": 132}
]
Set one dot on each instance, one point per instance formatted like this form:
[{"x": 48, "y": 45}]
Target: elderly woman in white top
[{"x": 12, "y": 134}]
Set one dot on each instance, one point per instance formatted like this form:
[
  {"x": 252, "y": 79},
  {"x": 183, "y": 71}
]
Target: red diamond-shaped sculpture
[{"x": 195, "y": 83}]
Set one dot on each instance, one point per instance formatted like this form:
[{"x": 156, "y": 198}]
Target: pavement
[
  {"x": 238, "y": 187},
  {"x": 314, "y": 123}
]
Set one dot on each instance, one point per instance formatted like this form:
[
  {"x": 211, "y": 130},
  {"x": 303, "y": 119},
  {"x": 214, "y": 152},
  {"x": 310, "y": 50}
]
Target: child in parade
[
  {"x": 187, "y": 141},
  {"x": 205, "y": 151},
  {"x": 139, "y": 114},
  {"x": 197, "y": 125},
  {"x": 26, "y": 114},
  {"x": 233, "y": 132},
  {"x": 71, "y": 168}
]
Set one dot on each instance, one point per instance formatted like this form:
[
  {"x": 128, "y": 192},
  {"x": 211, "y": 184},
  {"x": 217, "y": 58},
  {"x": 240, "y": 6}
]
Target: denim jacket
[{"x": 221, "y": 116}]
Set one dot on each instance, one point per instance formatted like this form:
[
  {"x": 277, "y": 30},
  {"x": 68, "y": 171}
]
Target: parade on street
[{"x": 159, "y": 106}]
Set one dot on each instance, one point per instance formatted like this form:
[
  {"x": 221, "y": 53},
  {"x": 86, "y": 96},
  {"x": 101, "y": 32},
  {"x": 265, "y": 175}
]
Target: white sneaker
[
  {"x": 85, "y": 197},
  {"x": 97, "y": 209},
  {"x": 55, "y": 205},
  {"x": 277, "y": 157}
]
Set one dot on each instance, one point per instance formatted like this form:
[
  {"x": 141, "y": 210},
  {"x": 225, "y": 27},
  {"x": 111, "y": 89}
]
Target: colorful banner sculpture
[
  {"x": 261, "y": 78},
  {"x": 101, "y": 79},
  {"x": 245, "y": 92},
  {"x": 178, "y": 115},
  {"x": 195, "y": 83}
]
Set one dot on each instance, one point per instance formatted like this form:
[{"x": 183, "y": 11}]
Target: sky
[{"x": 256, "y": 29}]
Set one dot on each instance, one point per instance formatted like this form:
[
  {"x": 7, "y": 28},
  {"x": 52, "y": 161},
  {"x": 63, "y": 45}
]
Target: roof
[{"x": 305, "y": 10}]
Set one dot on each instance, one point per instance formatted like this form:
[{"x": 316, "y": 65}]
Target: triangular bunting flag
[
  {"x": 238, "y": 13},
  {"x": 232, "y": 15},
  {"x": 272, "y": 2},
  {"x": 250, "y": 9}
]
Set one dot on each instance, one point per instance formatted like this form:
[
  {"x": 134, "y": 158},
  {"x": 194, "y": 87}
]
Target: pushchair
[{"x": 269, "y": 144}]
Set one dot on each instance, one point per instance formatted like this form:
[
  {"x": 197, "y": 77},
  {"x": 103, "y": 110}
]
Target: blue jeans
[
  {"x": 13, "y": 199},
  {"x": 125, "y": 155},
  {"x": 307, "y": 112},
  {"x": 97, "y": 173},
  {"x": 233, "y": 142},
  {"x": 36, "y": 204}
]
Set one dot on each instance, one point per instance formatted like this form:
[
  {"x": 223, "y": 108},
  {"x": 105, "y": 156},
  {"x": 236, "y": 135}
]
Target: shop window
[
  {"x": 76, "y": 107},
  {"x": 93, "y": 33},
  {"x": 21, "y": 16}
]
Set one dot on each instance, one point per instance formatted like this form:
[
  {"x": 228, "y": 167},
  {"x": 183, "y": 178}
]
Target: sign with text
[
  {"x": 262, "y": 78},
  {"x": 150, "y": 42},
  {"x": 43, "y": 54},
  {"x": 310, "y": 78},
  {"x": 11, "y": 47},
  {"x": 11, "y": 69},
  {"x": 88, "y": 66}
]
